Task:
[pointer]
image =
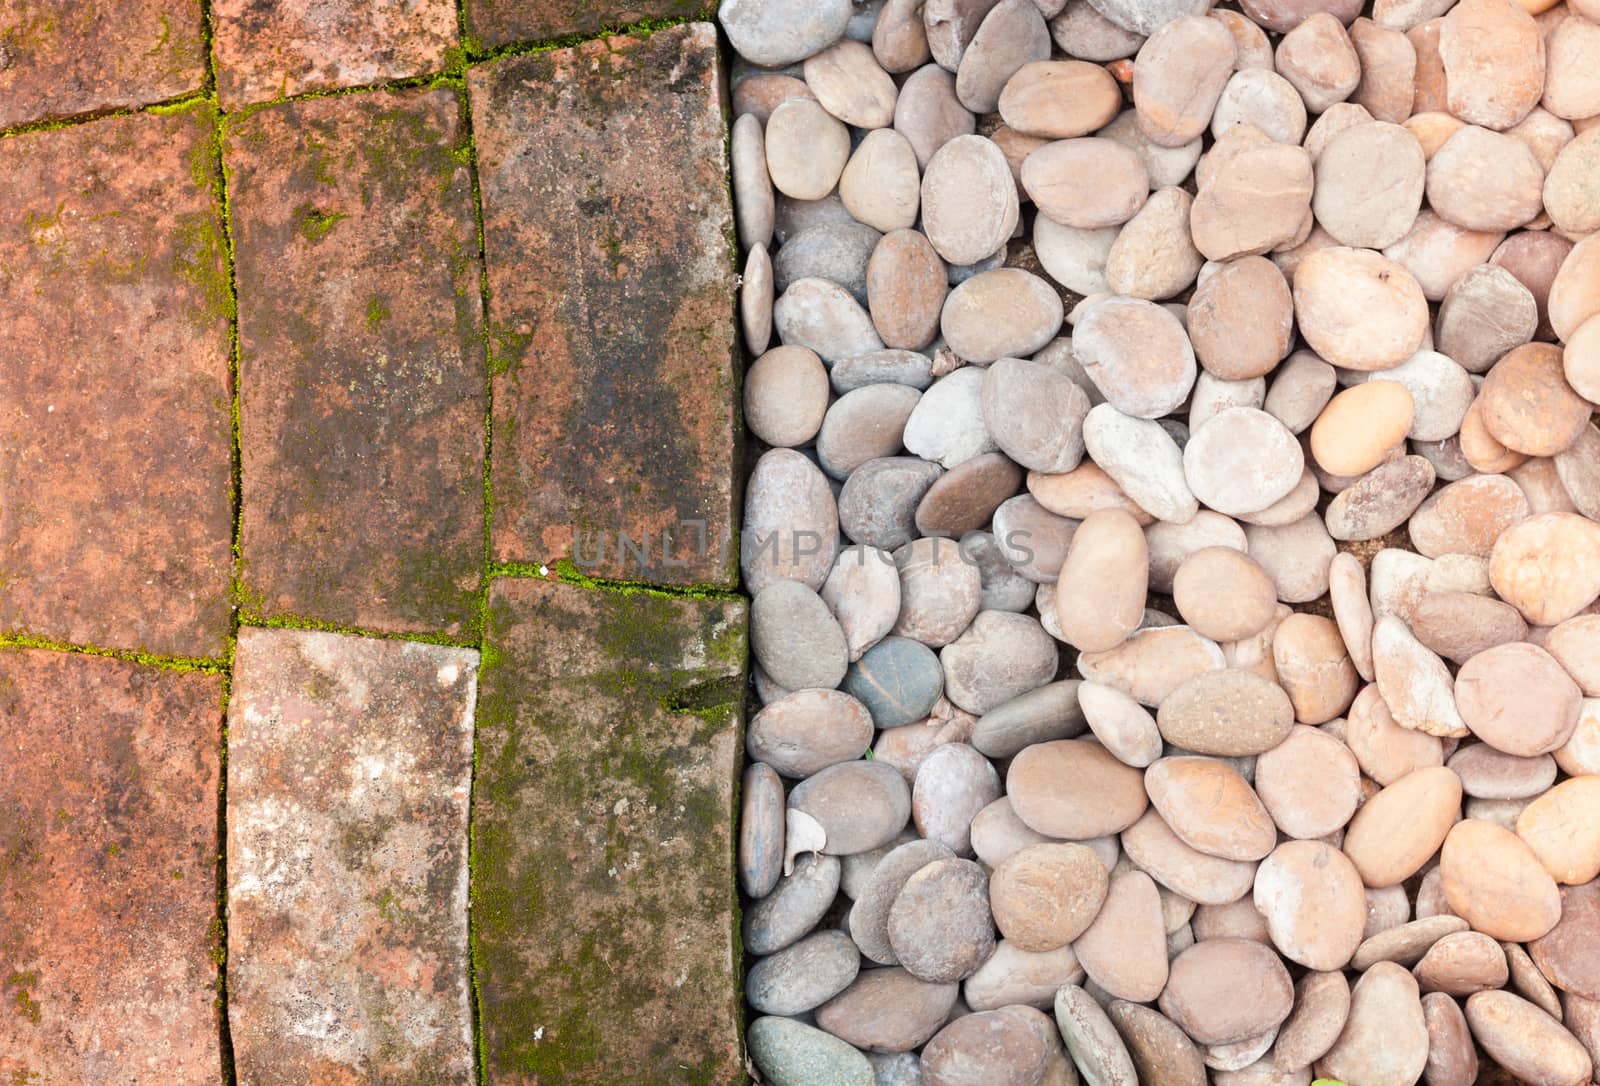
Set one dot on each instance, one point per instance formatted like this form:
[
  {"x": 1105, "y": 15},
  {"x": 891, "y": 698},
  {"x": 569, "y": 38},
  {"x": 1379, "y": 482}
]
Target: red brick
[
  {"x": 269, "y": 49},
  {"x": 115, "y": 496},
  {"x": 493, "y": 23},
  {"x": 607, "y": 226},
  {"x": 108, "y": 872},
  {"x": 60, "y": 58},
  {"x": 349, "y": 765},
  {"x": 362, "y": 373},
  {"x": 608, "y": 752}
]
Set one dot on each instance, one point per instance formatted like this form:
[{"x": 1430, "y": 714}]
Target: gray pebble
[
  {"x": 837, "y": 252},
  {"x": 791, "y": 1053},
  {"x": 1049, "y": 712},
  {"x": 899, "y": 681},
  {"x": 888, "y": 366},
  {"x": 794, "y": 907},
  {"x": 860, "y": 805},
  {"x": 878, "y": 505},
  {"x": 1004, "y": 589},
  {"x": 795, "y": 638},
  {"x": 803, "y": 976},
  {"x": 869, "y": 917},
  {"x": 773, "y": 33},
  {"x": 761, "y": 820}
]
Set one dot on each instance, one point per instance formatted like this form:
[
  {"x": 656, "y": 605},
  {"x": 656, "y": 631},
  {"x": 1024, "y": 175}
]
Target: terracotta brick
[
  {"x": 115, "y": 496},
  {"x": 60, "y": 58},
  {"x": 108, "y": 872},
  {"x": 607, "y": 226},
  {"x": 362, "y": 373},
  {"x": 493, "y": 23},
  {"x": 349, "y": 764},
  {"x": 268, "y": 49},
  {"x": 608, "y": 752}
]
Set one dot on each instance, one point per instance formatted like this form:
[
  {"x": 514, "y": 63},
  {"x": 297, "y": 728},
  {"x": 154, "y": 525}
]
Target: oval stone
[
  {"x": 1398, "y": 829},
  {"x": 869, "y": 916},
  {"x": 787, "y": 1050},
  {"x": 1211, "y": 808},
  {"x": 939, "y": 925},
  {"x": 1230, "y": 713},
  {"x": 969, "y": 200},
  {"x": 888, "y": 1010},
  {"x": 803, "y": 976},
  {"x": 809, "y": 730},
  {"x": 794, "y": 906},
  {"x": 1045, "y": 896},
  {"x": 1222, "y": 991},
  {"x": 1518, "y": 699},
  {"x": 861, "y": 805},
  {"x": 953, "y": 783},
  {"x": 1493, "y": 880},
  {"x": 1385, "y": 1038},
  {"x": 1074, "y": 789},
  {"x": 898, "y": 680},
  {"x": 1310, "y": 783}
]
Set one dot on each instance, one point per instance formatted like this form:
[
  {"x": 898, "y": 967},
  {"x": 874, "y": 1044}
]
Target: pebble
[
  {"x": 1261, "y": 98},
  {"x": 946, "y": 426},
  {"x": 1210, "y": 807},
  {"x": 1162, "y": 1053},
  {"x": 790, "y": 513},
  {"x": 1093, "y": 1042},
  {"x": 1230, "y": 713},
  {"x": 790, "y": 1052},
  {"x": 1319, "y": 61},
  {"x": 1153, "y": 662},
  {"x": 1002, "y": 1046},
  {"x": 1561, "y": 828},
  {"x": 863, "y": 592},
  {"x": 1518, "y": 699},
  {"x": 835, "y": 251},
  {"x": 939, "y": 924},
  {"x": 888, "y": 1010},
  {"x": 1396, "y": 831},
  {"x": 1528, "y": 405},
  {"x": 809, "y": 730},
  {"x": 1005, "y": 313},
  {"x": 1484, "y": 180},
  {"x": 1566, "y": 955},
  {"x": 1462, "y": 964},
  {"x": 1137, "y": 355},
  {"x": 997, "y": 832},
  {"x": 1493, "y": 880},
  {"x": 795, "y": 638},
  {"x": 761, "y": 824},
  {"x": 1406, "y": 943},
  {"x": 786, "y": 396},
  {"x": 965, "y": 498},
  {"x": 1452, "y": 1057},
  {"x": 1152, "y": 257},
  {"x": 825, "y": 317},
  {"x": 1124, "y": 950},
  {"x": 1385, "y": 1037},
  {"x": 1074, "y": 789},
  {"x": 953, "y": 783},
  {"x": 1123, "y": 726},
  {"x": 1205, "y": 879},
  {"x": 1488, "y": 774},
  {"x": 1100, "y": 592},
  {"x": 794, "y": 906},
  {"x": 1526, "y": 1041},
  {"x": 1575, "y": 644},
  {"x": 969, "y": 201},
  {"x": 866, "y": 424},
  {"x": 1254, "y": 201},
  {"x": 1301, "y": 387},
  {"x": 898, "y": 680},
  {"x": 1059, "y": 99},
  {"x": 1295, "y": 556},
  {"x": 1045, "y": 896},
  {"x": 1035, "y": 414},
  {"x": 1310, "y": 783},
  {"x": 1415, "y": 684},
  {"x": 803, "y": 976},
  {"x": 1242, "y": 461},
  {"x": 1321, "y": 1008},
  {"x": 850, "y": 84},
  {"x": 1086, "y": 183},
  {"x": 1015, "y": 976},
  {"x": 869, "y": 916},
  {"x": 1074, "y": 258},
  {"x": 1052, "y": 711},
  {"x": 1311, "y": 896},
  {"x": 877, "y": 505},
  {"x": 1142, "y": 459},
  {"x": 1222, "y": 991},
  {"x": 860, "y": 805},
  {"x": 1381, "y": 500},
  {"x": 1223, "y": 594},
  {"x": 1178, "y": 76},
  {"x": 1359, "y": 310},
  {"x": 1035, "y": 542},
  {"x": 1494, "y": 62},
  {"x": 1369, "y": 184}
]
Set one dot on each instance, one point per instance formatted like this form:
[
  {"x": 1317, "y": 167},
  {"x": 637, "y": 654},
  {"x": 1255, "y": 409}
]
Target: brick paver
[
  {"x": 603, "y": 817},
  {"x": 606, "y": 222},
  {"x": 108, "y": 877},
  {"x": 349, "y": 766},
  {"x": 493, "y": 23},
  {"x": 115, "y": 492},
  {"x": 361, "y": 374},
  {"x": 270, "y": 50},
  {"x": 59, "y": 58}
]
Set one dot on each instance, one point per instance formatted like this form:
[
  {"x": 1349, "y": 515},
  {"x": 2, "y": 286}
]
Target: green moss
[
  {"x": 22, "y": 999},
  {"x": 313, "y": 224},
  {"x": 24, "y": 640},
  {"x": 377, "y": 311},
  {"x": 290, "y": 621}
]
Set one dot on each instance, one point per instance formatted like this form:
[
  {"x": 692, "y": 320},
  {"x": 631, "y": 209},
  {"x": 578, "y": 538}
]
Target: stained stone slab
[
  {"x": 349, "y": 768},
  {"x": 108, "y": 871},
  {"x": 361, "y": 370},
  {"x": 608, "y": 753},
  {"x": 64, "y": 58},
  {"x": 269, "y": 51},
  {"x": 607, "y": 230},
  {"x": 493, "y": 23},
  {"x": 115, "y": 497}
]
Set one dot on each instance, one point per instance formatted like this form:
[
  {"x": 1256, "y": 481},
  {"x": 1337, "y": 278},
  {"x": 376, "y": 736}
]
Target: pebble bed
[{"x": 1173, "y": 540}]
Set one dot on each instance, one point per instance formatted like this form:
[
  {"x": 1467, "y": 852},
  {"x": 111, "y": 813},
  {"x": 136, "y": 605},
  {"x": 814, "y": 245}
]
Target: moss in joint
[
  {"x": 288, "y": 621},
  {"x": 208, "y": 665},
  {"x": 313, "y": 224}
]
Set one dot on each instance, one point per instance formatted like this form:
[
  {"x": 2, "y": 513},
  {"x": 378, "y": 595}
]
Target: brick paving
[{"x": 265, "y": 306}]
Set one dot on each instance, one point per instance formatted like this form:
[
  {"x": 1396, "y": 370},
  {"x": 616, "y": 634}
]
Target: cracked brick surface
[
  {"x": 493, "y": 23},
  {"x": 603, "y": 895},
  {"x": 60, "y": 58},
  {"x": 270, "y": 49},
  {"x": 108, "y": 877},
  {"x": 349, "y": 766},
  {"x": 606, "y": 213},
  {"x": 115, "y": 492},
  {"x": 361, "y": 368}
]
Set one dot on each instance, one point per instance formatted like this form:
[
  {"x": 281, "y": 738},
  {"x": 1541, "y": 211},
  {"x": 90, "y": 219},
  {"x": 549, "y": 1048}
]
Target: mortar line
[{"x": 209, "y": 664}]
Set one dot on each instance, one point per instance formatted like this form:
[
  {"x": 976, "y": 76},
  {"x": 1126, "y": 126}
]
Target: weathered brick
[
  {"x": 115, "y": 497},
  {"x": 349, "y": 765},
  {"x": 606, "y": 221},
  {"x": 493, "y": 23},
  {"x": 268, "y": 49},
  {"x": 60, "y": 58},
  {"x": 608, "y": 749},
  {"x": 361, "y": 373},
  {"x": 108, "y": 872}
]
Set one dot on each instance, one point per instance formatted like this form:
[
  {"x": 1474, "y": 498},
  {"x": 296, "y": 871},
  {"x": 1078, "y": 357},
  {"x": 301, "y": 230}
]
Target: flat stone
[
  {"x": 761, "y": 829},
  {"x": 939, "y": 924},
  {"x": 349, "y": 770},
  {"x": 792, "y": 524},
  {"x": 1527, "y": 1043},
  {"x": 1074, "y": 789},
  {"x": 1048, "y": 712},
  {"x": 888, "y": 1010},
  {"x": 66, "y": 60},
  {"x": 1566, "y": 954},
  {"x": 1226, "y": 990},
  {"x": 652, "y": 688},
  {"x": 118, "y": 493},
  {"x": 789, "y": 1051},
  {"x": 1012, "y": 975},
  {"x": 1092, "y": 1039},
  {"x": 1406, "y": 943},
  {"x": 598, "y": 139},
  {"x": 493, "y": 23},
  {"x": 1385, "y": 1038},
  {"x": 1208, "y": 880},
  {"x": 108, "y": 822},
  {"x": 361, "y": 409},
  {"x": 289, "y": 49}
]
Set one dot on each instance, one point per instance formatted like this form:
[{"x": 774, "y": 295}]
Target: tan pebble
[
  {"x": 1572, "y": 83},
  {"x": 906, "y": 289},
  {"x": 880, "y": 185},
  {"x": 1575, "y": 291},
  {"x": 1484, "y": 180},
  {"x": 1527, "y": 404},
  {"x": 1310, "y": 783},
  {"x": 1262, "y": 98},
  {"x": 1016, "y": 147},
  {"x": 1562, "y": 827},
  {"x": 1059, "y": 99},
  {"x": 1567, "y": 954},
  {"x": 1359, "y": 425},
  {"x": 1466, "y": 517},
  {"x": 1381, "y": 500},
  {"x": 1242, "y": 461},
  {"x": 1385, "y": 1039},
  {"x": 1534, "y": 257},
  {"x": 1236, "y": 920},
  {"x": 1311, "y": 897},
  {"x": 899, "y": 39},
  {"x": 1369, "y": 184},
  {"x": 1011, "y": 35},
  {"x": 1086, "y": 183},
  {"x": 1460, "y": 625},
  {"x": 758, "y": 95},
  {"x": 786, "y": 396},
  {"x": 1482, "y": 450},
  {"x": 1124, "y": 950},
  {"x": 1321, "y": 1008},
  {"x": 1319, "y": 61},
  {"x": 1162, "y": 1053},
  {"x": 1547, "y": 566},
  {"x": 1210, "y": 807},
  {"x": 1432, "y": 130},
  {"x": 1359, "y": 310},
  {"x": 1388, "y": 70},
  {"x": 1581, "y": 753},
  {"x": 1540, "y": 482},
  {"x": 1301, "y": 387},
  {"x": 1178, "y": 76},
  {"x": 1293, "y": 506},
  {"x": 1169, "y": 544},
  {"x": 1387, "y": 907},
  {"x": 1208, "y": 880},
  {"x": 1462, "y": 964},
  {"x": 1437, "y": 253},
  {"x": 1153, "y": 257},
  {"x": 1414, "y": 682},
  {"x": 1232, "y": 713},
  {"x": 1124, "y": 726},
  {"x": 1074, "y": 789},
  {"x": 1386, "y": 751},
  {"x": 969, "y": 201},
  {"x": 1014, "y": 976},
  {"x": 806, "y": 149},
  {"x": 1222, "y": 991},
  {"x": 850, "y": 84},
  {"x": 1241, "y": 319},
  {"x": 1003, "y": 313},
  {"x": 1495, "y": 882},
  {"x": 1580, "y": 362},
  {"x": 1295, "y": 556},
  {"x": 1494, "y": 62},
  {"x": 1517, "y": 698},
  {"x": 1251, "y": 47},
  {"x": 1527, "y": 1042},
  {"x": 928, "y": 113},
  {"x": 1430, "y": 85},
  {"x": 1397, "y": 830},
  {"x": 1168, "y": 166},
  {"x": 1101, "y": 589},
  {"x": 1045, "y": 896},
  {"x": 1546, "y": 135},
  {"x": 1452, "y": 1057},
  {"x": 1406, "y": 943},
  {"x": 1081, "y": 491},
  {"x": 997, "y": 832},
  {"x": 1314, "y": 667},
  {"x": 1575, "y": 644},
  {"x": 1337, "y": 118},
  {"x": 1153, "y": 662},
  {"x": 1137, "y": 355},
  {"x": 1223, "y": 594},
  {"x": 1257, "y": 200}
]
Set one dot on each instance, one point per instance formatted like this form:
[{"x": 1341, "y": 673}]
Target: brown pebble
[
  {"x": 1241, "y": 319},
  {"x": 1388, "y": 70},
  {"x": 1255, "y": 201},
  {"x": 1100, "y": 593},
  {"x": 1461, "y": 964},
  {"x": 1223, "y": 593},
  {"x": 1205, "y": 996},
  {"x": 1211, "y": 807},
  {"x": 906, "y": 288},
  {"x": 1525, "y": 1041},
  {"x": 1547, "y": 566},
  {"x": 1397, "y": 830},
  {"x": 1495, "y": 883},
  {"x": 1232, "y": 713},
  {"x": 1074, "y": 789},
  {"x": 1045, "y": 896},
  {"x": 1124, "y": 950},
  {"x": 1467, "y": 516},
  {"x": 1311, "y": 896},
  {"x": 1527, "y": 404},
  {"x": 1314, "y": 667},
  {"x": 1310, "y": 783},
  {"x": 1086, "y": 183},
  {"x": 1319, "y": 61},
  {"x": 1494, "y": 62},
  {"x": 1452, "y": 1057},
  {"x": 1459, "y": 625},
  {"x": 1484, "y": 180},
  {"x": 1177, "y": 77},
  {"x": 1385, "y": 1038},
  {"x": 1059, "y": 99}
]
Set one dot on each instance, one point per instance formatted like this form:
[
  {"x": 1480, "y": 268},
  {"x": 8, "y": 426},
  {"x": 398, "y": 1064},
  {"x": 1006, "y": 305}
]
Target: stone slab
[
  {"x": 607, "y": 232},
  {"x": 115, "y": 444},
  {"x": 349, "y": 767},
  {"x": 269, "y": 49},
  {"x": 603, "y": 893},
  {"x": 362, "y": 371},
  {"x": 494, "y": 23},
  {"x": 65, "y": 58},
  {"x": 108, "y": 872}
]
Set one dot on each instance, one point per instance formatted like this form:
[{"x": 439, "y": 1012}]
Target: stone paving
[{"x": 371, "y": 661}]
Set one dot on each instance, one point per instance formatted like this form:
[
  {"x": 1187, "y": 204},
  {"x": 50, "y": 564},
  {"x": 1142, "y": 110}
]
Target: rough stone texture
[
  {"x": 493, "y": 23},
  {"x": 607, "y": 228},
  {"x": 66, "y": 57},
  {"x": 349, "y": 768},
  {"x": 267, "y": 50},
  {"x": 361, "y": 368},
  {"x": 115, "y": 507},
  {"x": 108, "y": 879},
  {"x": 603, "y": 820}
]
